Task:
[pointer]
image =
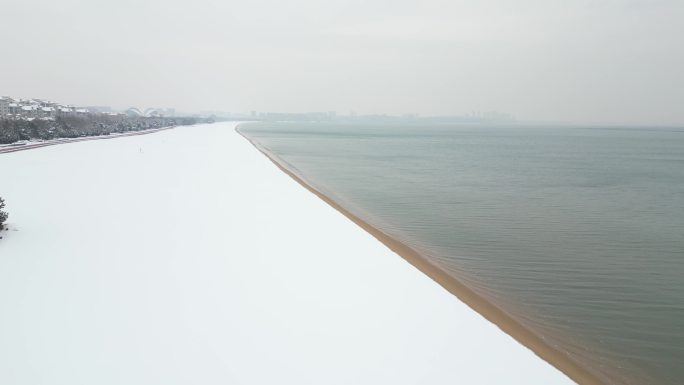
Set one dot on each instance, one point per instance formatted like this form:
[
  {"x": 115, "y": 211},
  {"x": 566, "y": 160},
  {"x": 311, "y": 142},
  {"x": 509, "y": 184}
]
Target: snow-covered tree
[{"x": 3, "y": 215}]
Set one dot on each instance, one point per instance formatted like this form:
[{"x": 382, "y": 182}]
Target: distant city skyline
[{"x": 579, "y": 61}]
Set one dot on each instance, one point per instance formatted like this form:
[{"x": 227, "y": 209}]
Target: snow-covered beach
[{"x": 187, "y": 257}]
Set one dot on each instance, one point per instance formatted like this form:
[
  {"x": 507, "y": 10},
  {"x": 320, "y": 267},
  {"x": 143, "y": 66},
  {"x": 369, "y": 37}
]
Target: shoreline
[{"x": 468, "y": 296}]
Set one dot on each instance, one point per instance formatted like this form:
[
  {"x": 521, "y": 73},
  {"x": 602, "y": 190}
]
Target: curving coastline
[{"x": 488, "y": 310}]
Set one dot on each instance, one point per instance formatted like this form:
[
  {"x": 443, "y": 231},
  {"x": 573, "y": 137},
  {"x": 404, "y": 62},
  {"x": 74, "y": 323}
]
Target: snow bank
[{"x": 187, "y": 257}]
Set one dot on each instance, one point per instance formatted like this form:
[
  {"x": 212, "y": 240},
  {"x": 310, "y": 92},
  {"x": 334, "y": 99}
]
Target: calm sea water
[{"x": 578, "y": 232}]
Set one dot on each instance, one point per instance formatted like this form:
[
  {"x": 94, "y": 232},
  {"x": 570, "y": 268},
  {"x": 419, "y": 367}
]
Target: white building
[
  {"x": 37, "y": 108},
  {"x": 29, "y": 110},
  {"x": 65, "y": 111},
  {"x": 4, "y": 106},
  {"x": 47, "y": 112}
]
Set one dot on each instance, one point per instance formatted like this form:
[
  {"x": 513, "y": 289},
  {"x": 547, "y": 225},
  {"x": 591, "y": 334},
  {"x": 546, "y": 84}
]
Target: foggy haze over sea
[{"x": 580, "y": 61}]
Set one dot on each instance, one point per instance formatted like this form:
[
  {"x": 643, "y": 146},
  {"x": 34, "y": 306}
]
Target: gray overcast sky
[{"x": 594, "y": 60}]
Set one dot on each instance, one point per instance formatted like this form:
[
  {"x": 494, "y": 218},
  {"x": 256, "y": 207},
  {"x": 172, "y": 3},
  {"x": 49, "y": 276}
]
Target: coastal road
[{"x": 5, "y": 149}]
